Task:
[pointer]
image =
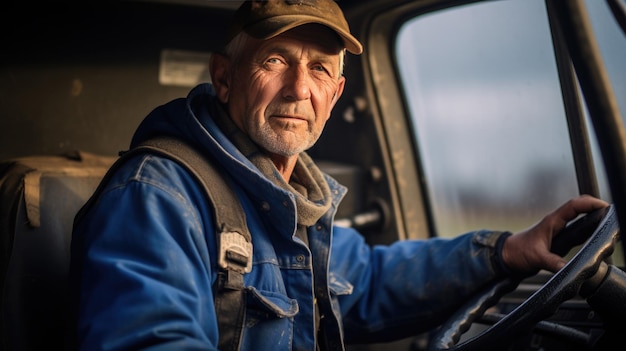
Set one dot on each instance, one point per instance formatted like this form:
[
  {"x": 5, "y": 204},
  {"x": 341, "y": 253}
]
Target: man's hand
[{"x": 529, "y": 250}]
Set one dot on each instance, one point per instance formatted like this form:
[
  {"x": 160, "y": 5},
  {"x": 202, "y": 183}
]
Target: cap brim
[{"x": 274, "y": 26}]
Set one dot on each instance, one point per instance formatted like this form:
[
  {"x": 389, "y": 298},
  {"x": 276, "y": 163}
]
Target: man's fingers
[
  {"x": 582, "y": 204},
  {"x": 554, "y": 263},
  {"x": 572, "y": 209},
  {"x": 529, "y": 250}
]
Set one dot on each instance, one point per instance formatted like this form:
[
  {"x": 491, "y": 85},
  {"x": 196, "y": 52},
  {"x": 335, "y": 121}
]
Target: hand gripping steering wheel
[{"x": 563, "y": 285}]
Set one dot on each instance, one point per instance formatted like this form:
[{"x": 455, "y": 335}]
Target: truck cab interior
[{"x": 459, "y": 115}]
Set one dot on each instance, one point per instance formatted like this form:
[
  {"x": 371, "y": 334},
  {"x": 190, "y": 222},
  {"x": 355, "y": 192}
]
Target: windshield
[{"x": 483, "y": 92}]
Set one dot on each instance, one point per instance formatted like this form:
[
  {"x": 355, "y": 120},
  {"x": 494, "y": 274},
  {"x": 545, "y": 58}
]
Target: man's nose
[{"x": 296, "y": 86}]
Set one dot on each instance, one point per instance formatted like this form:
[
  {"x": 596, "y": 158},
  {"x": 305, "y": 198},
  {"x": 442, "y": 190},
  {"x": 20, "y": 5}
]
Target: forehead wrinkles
[{"x": 320, "y": 37}]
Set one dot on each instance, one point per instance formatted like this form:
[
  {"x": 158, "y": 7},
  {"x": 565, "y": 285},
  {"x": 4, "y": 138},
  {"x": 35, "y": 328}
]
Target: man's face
[{"x": 283, "y": 90}]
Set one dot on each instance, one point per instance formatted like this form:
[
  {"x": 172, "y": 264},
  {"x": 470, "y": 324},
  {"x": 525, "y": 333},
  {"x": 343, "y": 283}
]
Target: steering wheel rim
[{"x": 563, "y": 285}]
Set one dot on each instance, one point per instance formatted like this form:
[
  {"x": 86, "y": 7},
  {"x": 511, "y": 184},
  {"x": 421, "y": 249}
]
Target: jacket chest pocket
[{"x": 269, "y": 321}]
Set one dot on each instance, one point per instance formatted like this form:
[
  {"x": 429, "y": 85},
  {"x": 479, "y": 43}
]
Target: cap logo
[{"x": 301, "y": 2}]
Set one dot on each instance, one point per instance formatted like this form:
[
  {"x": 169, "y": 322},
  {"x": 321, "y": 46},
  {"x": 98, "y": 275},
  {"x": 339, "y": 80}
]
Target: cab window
[{"x": 486, "y": 110}]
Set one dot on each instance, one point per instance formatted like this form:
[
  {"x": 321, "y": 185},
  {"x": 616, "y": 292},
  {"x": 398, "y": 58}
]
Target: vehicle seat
[{"x": 39, "y": 197}]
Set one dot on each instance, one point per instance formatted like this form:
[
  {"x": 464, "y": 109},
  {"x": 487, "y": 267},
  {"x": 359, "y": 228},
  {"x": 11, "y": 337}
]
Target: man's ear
[
  {"x": 339, "y": 91},
  {"x": 219, "y": 67}
]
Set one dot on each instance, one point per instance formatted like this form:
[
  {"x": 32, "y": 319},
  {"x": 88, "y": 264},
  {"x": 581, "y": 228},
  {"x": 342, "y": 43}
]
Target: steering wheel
[{"x": 563, "y": 285}]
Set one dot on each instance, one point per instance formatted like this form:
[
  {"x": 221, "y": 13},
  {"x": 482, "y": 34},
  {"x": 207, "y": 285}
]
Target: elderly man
[{"x": 146, "y": 253}]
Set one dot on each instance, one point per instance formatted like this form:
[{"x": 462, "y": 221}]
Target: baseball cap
[{"x": 265, "y": 19}]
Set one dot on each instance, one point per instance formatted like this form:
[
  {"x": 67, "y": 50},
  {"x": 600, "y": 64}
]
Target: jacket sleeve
[
  {"x": 144, "y": 281},
  {"x": 410, "y": 286}
]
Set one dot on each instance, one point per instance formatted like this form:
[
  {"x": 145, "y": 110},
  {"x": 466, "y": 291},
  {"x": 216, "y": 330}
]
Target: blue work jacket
[{"x": 146, "y": 253}]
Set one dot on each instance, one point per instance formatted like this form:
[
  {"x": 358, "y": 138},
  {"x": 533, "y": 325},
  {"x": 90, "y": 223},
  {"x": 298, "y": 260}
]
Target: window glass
[
  {"x": 483, "y": 92},
  {"x": 612, "y": 44}
]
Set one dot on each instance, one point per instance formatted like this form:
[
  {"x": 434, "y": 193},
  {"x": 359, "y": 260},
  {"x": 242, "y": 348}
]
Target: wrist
[{"x": 498, "y": 257}]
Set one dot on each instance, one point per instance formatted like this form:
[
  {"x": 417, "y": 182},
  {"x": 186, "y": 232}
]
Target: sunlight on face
[{"x": 283, "y": 89}]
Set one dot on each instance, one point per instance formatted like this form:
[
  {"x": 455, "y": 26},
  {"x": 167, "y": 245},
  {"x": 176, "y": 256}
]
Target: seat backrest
[{"x": 39, "y": 197}]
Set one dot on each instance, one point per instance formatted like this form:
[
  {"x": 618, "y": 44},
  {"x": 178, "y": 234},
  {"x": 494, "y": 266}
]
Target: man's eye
[{"x": 273, "y": 60}]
